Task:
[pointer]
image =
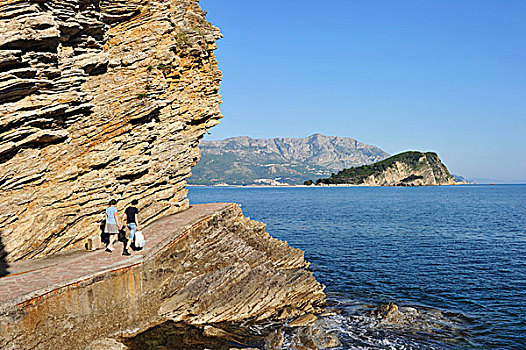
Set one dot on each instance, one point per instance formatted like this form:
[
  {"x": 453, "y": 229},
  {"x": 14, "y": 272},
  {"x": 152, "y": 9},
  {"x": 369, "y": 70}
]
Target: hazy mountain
[
  {"x": 462, "y": 179},
  {"x": 486, "y": 180},
  {"x": 243, "y": 160}
]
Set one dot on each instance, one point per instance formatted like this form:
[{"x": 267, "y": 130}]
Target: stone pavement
[{"x": 32, "y": 278}]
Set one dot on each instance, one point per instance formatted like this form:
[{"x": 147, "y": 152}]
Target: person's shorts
[
  {"x": 133, "y": 228},
  {"x": 112, "y": 229}
]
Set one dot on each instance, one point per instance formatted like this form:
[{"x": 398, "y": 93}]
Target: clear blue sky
[{"x": 445, "y": 76}]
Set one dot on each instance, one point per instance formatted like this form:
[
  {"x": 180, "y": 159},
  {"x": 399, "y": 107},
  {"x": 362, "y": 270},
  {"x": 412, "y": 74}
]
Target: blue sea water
[{"x": 454, "y": 257}]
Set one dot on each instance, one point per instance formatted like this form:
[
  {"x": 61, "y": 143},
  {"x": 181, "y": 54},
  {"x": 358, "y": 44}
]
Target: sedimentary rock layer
[
  {"x": 98, "y": 100},
  {"x": 221, "y": 267}
]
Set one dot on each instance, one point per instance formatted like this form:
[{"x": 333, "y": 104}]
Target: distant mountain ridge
[
  {"x": 244, "y": 160},
  {"x": 410, "y": 168}
]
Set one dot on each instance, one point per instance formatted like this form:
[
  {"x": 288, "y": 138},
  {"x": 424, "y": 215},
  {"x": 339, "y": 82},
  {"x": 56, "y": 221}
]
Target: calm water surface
[{"x": 456, "y": 255}]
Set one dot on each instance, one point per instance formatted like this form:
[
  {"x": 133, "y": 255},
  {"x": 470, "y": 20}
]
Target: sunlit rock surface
[
  {"x": 404, "y": 169},
  {"x": 210, "y": 265},
  {"x": 98, "y": 100}
]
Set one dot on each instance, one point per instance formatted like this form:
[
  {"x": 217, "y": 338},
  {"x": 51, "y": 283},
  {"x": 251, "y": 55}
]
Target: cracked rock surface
[
  {"x": 98, "y": 100},
  {"x": 202, "y": 267}
]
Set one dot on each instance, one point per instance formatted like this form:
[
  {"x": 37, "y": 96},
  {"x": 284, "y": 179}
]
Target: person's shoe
[
  {"x": 108, "y": 250},
  {"x": 126, "y": 252}
]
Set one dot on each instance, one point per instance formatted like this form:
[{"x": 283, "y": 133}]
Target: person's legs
[
  {"x": 133, "y": 228},
  {"x": 108, "y": 245},
  {"x": 113, "y": 238}
]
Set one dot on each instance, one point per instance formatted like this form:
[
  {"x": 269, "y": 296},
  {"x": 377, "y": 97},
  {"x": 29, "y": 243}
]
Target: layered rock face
[
  {"x": 404, "y": 169},
  {"x": 429, "y": 171},
  {"x": 98, "y": 100},
  {"x": 234, "y": 270},
  {"x": 220, "y": 268}
]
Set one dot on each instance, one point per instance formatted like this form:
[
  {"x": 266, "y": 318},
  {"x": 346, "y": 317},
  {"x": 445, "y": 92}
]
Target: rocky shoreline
[
  {"x": 212, "y": 266},
  {"x": 110, "y": 100},
  {"x": 325, "y": 185},
  {"x": 303, "y": 332}
]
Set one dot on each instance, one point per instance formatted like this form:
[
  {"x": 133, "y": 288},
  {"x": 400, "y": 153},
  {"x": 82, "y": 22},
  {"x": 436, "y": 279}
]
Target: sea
[{"x": 452, "y": 258}]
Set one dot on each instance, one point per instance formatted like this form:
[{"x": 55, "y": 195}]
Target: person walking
[
  {"x": 132, "y": 221},
  {"x": 113, "y": 224}
]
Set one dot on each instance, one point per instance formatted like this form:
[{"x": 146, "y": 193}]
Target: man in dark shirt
[{"x": 132, "y": 221}]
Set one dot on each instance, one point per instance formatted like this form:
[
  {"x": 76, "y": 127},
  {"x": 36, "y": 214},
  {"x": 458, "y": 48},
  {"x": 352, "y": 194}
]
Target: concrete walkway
[{"x": 33, "y": 278}]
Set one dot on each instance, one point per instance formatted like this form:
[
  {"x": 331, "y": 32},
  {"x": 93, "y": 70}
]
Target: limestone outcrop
[
  {"x": 404, "y": 169},
  {"x": 204, "y": 270},
  {"x": 98, "y": 100},
  {"x": 233, "y": 270}
]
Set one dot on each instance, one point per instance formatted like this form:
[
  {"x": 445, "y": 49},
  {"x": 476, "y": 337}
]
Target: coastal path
[{"x": 31, "y": 279}]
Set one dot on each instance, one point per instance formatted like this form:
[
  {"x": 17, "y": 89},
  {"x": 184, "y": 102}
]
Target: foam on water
[{"x": 419, "y": 328}]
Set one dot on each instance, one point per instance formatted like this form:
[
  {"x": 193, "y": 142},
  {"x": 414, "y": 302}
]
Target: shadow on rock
[
  {"x": 3, "y": 256},
  {"x": 171, "y": 335},
  {"x": 104, "y": 237}
]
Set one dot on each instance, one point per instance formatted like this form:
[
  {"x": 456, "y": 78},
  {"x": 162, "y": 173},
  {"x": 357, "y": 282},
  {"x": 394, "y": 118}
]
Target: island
[{"x": 410, "y": 168}]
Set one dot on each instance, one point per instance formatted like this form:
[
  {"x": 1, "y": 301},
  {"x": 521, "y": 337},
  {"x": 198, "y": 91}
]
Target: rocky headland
[{"x": 404, "y": 169}]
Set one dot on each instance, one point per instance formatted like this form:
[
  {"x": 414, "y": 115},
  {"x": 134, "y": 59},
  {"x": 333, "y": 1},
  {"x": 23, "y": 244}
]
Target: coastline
[
  {"x": 420, "y": 248},
  {"x": 322, "y": 186}
]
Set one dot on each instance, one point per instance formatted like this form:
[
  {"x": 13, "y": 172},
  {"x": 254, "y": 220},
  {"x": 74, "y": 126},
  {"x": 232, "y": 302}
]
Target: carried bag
[
  {"x": 139, "y": 240},
  {"x": 122, "y": 235}
]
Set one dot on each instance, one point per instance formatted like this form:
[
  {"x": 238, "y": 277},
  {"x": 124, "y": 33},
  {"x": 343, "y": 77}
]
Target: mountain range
[{"x": 246, "y": 161}]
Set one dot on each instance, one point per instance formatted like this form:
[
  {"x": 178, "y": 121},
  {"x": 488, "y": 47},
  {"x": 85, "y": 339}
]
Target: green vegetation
[
  {"x": 358, "y": 175},
  {"x": 142, "y": 96},
  {"x": 308, "y": 183},
  {"x": 235, "y": 170},
  {"x": 165, "y": 68},
  {"x": 199, "y": 31},
  {"x": 182, "y": 38}
]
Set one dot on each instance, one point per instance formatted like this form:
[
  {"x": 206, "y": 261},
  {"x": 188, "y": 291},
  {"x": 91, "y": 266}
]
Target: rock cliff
[
  {"x": 98, "y": 100},
  {"x": 207, "y": 265},
  {"x": 404, "y": 169},
  {"x": 243, "y": 160}
]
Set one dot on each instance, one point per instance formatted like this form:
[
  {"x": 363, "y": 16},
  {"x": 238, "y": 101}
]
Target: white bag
[{"x": 139, "y": 240}]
